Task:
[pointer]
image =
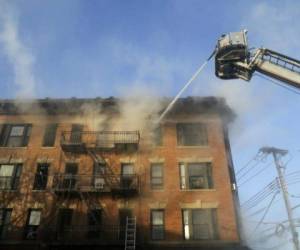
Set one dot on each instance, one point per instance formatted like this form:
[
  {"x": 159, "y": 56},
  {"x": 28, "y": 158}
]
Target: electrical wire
[
  {"x": 291, "y": 89},
  {"x": 255, "y": 158},
  {"x": 256, "y": 174},
  {"x": 264, "y": 215}
]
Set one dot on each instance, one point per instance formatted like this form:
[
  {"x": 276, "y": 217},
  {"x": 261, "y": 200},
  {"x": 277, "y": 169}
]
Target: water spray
[{"x": 185, "y": 87}]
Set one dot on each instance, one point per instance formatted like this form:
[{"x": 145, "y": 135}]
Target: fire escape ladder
[
  {"x": 130, "y": 233},
  {"x": 108, "y": 175}
]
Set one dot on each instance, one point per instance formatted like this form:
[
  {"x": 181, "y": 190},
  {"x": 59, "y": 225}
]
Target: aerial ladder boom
[{"x": 234, "y": 60}]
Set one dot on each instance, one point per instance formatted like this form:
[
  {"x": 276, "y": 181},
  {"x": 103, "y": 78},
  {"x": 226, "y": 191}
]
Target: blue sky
[{"x": 72, "y": 48}]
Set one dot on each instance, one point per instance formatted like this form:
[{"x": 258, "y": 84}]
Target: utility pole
[{"x": 277, "y": 153}]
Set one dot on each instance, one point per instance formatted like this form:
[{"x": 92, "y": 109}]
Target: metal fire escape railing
[
  {"x": 94, "y": 183},
  {"x": 72, "y": 141}
]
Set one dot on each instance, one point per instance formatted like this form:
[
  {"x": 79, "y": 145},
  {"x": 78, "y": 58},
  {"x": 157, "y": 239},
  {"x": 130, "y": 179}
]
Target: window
[
  {"x": 94, "y": 222},
  {"x": 9, "y": 176},
  {"x": 76, "y": 133},
  {"x": 64, "y": 222},
  {"x": 158, "y": 136},
  {"x": 99, "y": 173},
  {"x": 191, "y": 134},
  {"x": 49, "y": 136},
  {"x": 69, "y": 181},
  {"x": 5, "y": 215},
  {"x": 195, "y": 176},
  {"x": 32, "y": 224},
  {"x": 157, "y": 225},
  {"x": 199, "y": 224},
  {"x": 127, "y": 175},
  {"x": 157, "y": 181},
  {"x": 41, "y": 177},
  {"x": 13, "y": 135}
]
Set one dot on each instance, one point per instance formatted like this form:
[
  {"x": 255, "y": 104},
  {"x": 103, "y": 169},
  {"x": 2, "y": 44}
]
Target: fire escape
[{"x": 105, "y": 180}]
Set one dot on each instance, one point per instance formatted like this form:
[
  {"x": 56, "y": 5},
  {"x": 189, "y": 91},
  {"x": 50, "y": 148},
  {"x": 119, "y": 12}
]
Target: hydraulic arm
[{"x": 234, "y": 60}]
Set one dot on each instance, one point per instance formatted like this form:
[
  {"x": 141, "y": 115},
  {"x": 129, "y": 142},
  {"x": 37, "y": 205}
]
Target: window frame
[
  {"x": 183, "y": 136},
  {"x": 5, "y": 134},
  {"x": 49, "y": 140},
  {"x": 32, "y": 228},
  {"x": 160, "y": 226},
  {"x": 14, "y": 178},
  {"x": 212, "y": 225},
  {"x": 154, "y": 185},
  {"x": 185, "y": 178},
  {"x": 5, "y": 221},
  {"x": 38, "y": 186}
]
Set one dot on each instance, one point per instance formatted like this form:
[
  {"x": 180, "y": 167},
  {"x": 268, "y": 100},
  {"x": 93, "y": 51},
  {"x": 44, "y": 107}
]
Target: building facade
[{"x": 69, "y": 179}]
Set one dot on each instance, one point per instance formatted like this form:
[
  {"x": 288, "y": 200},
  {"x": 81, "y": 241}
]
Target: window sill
[
  {"x": 198, "y": 146},
  {"x": 158, "y": 190},
  {"x": 3, "y": 147},
  {"x": 9, "y": 190},
  {"x": 39, "y": 191},
  {"x": 199, "y": 190},
  {"x": 48, "y": 147}
]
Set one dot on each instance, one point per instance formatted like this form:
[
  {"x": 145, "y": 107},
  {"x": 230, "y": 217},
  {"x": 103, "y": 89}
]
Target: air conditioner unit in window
[{"x": 99, "y": 183}]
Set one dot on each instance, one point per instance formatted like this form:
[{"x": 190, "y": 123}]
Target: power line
[
  {"x": 259, "y": 172},
  {"x": 265, "y": 213},
  {"x": 247, "y": 164}
]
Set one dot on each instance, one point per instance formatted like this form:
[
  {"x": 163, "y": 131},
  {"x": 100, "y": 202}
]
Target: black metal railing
[
  {"x": 95, "y": 183},
  {"x": 100, "y": 139}
]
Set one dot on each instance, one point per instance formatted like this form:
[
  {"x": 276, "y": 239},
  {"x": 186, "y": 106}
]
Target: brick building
[{"x": 67, "y": 182}]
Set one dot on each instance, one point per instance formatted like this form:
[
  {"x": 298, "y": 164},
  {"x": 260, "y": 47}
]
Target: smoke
[{"x": 17, "y": 53}]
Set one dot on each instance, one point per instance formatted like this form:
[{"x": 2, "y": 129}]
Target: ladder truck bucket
[{"x": 232, "y": 48}]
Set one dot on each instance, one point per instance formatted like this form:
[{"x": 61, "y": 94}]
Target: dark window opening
[
  {"x": 157, "y": 181},
  {"x": 49, "y": 135},
  {"x": 5, "y": 216},
  {"x": 157, "y": 225},
  {"x": 191, "y": 134},
  {"x": 64, "y": 221},
  {"x": 32, "y": 224},
  {"x": 94, "y": 223},
  {"x": 10, "y": 176},
  {"x": 76, "y": 133},
  {"x": 195, "y": 176},
  {"x": 41, "y": 177},
  {"x": 15, "y": 135},
  {"x": 199, "y": 224}
]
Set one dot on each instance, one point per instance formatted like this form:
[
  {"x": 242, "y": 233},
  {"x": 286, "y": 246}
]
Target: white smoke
[{"x": 16, "y": 51}]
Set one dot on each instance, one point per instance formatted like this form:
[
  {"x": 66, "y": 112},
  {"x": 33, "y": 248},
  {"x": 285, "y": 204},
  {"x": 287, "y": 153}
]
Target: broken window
[
  {"x": 94, "y": 223},
  {"x": 195, "y": 176},
  {"x": 9, "y": 176},
  {"x": 32, "y": 224},
  {"x": 49, "y": 135},
  {"x": 191, "y": 134},
  {"x": 76, "y": 133},
  {"x": 157, "y": 181},
  {"x": 199, "y": 224},
  {"x": 13, "y": 135},
  {"x": 157, "y": 225},
  {"x": 5, "y": 215},
  {"x": 41, "y": 177}
]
